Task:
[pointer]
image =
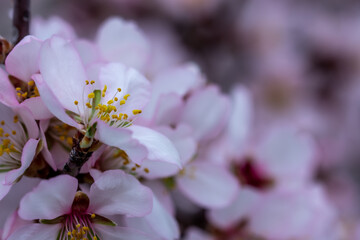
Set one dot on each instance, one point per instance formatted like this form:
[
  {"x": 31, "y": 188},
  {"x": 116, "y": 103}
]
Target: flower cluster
[{"x": 115, "y": 138}]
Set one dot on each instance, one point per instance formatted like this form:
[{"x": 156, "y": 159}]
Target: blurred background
[{"x": 300, "y": 59}]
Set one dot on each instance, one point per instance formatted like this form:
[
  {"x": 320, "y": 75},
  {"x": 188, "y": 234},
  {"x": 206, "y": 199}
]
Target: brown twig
[{"x": 21, "y": 20}]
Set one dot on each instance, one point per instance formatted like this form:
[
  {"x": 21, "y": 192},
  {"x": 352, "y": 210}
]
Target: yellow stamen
[
  {"x": 93, "y": 215},
  {"x": 76, "y": 102},
  {"x": 3, "y": 122},
  {"x": 122, "y": 102},
  {"x": 119, "y": 89},
  {"x": 92, "y": 82},
  {"x": 18, "y": 89},
  {"x": 24, "y": 95},
  {"x": 87, "y": 82},
  {"x": 13, "y": 132},
  {"x": 146, "y": 170},
  {"x": 16, "y": 119},
  {"x": 126, "y": 96},
  {"x": 91, "y": 95}
]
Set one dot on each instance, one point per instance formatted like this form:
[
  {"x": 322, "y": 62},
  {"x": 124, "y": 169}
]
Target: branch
[{"x": 21, "y": 20}]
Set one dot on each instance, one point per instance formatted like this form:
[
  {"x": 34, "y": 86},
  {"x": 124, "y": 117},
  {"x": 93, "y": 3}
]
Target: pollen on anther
[
  {"x": 31, "y": 83},
  {"x": 87, "y": 82},
  {"x": 16, "y": 119},
  {"x": 76, "y": 102},
  {"x": 122, "y": 102},
  {"x": 92, "y": 82},
  {"x": 119, "y": 89},
  {"x": 126, "y": 96},
  {"x": 136, "y": 111},
  {"x": 3, "y": 122},
  {"x": 91, "y": 95},
  {"x": 93, "y": 215},
  {"x": 18, "y": 89},
  {"x": 146, "y": 170},
  {"x": 13, "y": 132}
]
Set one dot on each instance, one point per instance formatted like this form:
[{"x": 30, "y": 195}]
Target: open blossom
[
  {"x": 17, "y": 86},
  {"x": 65, "y": 213},
  {"x": 19, "y": 144},
  {"x": 110, "y": 102}
]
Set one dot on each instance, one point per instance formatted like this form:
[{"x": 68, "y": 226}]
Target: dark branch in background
[{"x": 21, "y": 20}]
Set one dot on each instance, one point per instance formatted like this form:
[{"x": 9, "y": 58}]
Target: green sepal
[
  {"x": 53, "y": 221},
  {"x": 103, "y": 220},
  {"x": 88, "y": 139}
]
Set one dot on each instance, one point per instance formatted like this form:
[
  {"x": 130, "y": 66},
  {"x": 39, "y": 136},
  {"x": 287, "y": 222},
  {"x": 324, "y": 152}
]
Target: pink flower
[
  {"x": 21, "y": 64},
  {"x": 64, "y": 212},
  {"x": 19, "y": 136},
  {"x": 113, "y": 100}
]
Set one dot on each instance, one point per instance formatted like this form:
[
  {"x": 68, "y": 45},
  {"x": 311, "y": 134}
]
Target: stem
[
  {"x": 78, "y": 156},
  {"x": 21, "y": 20}
]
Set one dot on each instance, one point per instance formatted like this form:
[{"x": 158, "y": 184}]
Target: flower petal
[
  {"x": 206, "y": 111},
  {"x": 121, "y": 138},
  {"x": 122, "y": 41},
  {"x": 159, "y": 147},
  {"x": 45, "y": 150},
  {"x": 27, "y": 156},
  {"x": 158, "y": 223},
  {"x": 22, "y": 62},
  {"x": 7, "y": 90},
  {"x": 50, "y": 199},
  {"x": 4, "y": 189},
  {"x": 63, "y": 72},
  {"x": 36, "y": 231},
  {"x": 208, "y": 185},
  {"x": 37, "y": 108},
  {"x": 228, "y": 217},
  {"x": 116, "y": 192},
  {"x": 52, "y": 103}
]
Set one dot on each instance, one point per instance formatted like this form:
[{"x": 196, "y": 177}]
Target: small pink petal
[
  {"x": 45, "y": 150},
  {"x": 208, "y": 185},
  {"x": 4, "y": 189},
  {"x": 116, "y": 192},
  {"x": 37, "y": 108},
  {"x": 206, "y": 111},
  {"x": 50, "y": 199},
  {"x": 27, "y": 156},
  {"x": 159, "y": 147},
  {"x": 121, "y": 138},
  {"x": 7, "y": 90},
  {"x": 22, "y": 62}
]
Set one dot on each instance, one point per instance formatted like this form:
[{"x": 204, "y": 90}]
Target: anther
[
  {"x": 31, "y": 83},
  {"x": 18, "y": 89},
  {"x": 119, "y": 89},
  {"x": 91, "y": 95},
  {"x": 86, "y": 82},
  {"x": 146, "y": 170},
  {"x": 92, "y": 82},
  {"x": 122, "y": 102},
  {"x": 136, "y": 111},
  {"x": 76, "y": 102},
  {"x": 126, "y": 96}
]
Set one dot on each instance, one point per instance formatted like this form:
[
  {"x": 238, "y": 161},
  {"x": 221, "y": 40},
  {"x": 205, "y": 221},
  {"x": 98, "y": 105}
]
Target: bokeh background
[{"x": 300, "y": 59}]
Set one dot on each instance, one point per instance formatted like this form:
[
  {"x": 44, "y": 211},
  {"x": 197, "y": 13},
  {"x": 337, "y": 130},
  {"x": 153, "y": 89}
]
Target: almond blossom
[{"x": 63, "y": 212}]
